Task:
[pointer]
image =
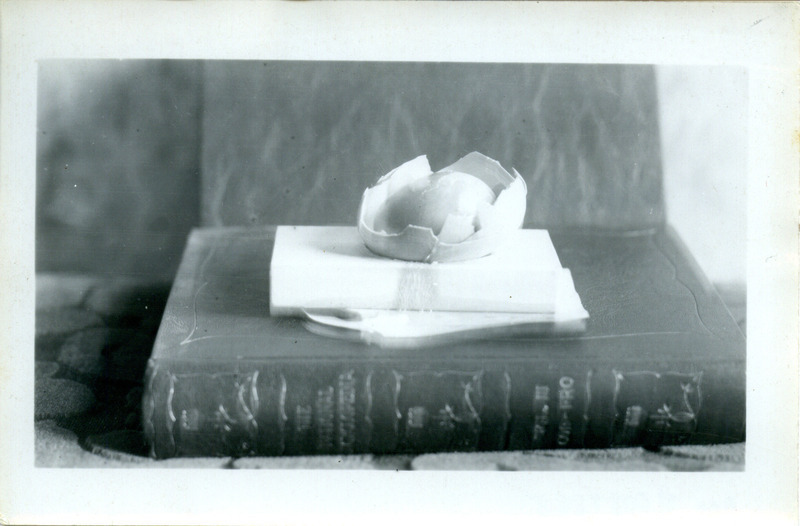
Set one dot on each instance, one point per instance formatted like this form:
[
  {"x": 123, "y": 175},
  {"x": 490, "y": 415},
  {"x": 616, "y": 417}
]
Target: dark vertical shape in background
[
  {"x": 297, "y": 142},
  {"x": 117, "y": 165}
]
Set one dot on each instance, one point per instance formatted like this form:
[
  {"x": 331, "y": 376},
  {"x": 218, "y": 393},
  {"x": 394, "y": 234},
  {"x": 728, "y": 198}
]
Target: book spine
[{"x": 396, "y": 408}]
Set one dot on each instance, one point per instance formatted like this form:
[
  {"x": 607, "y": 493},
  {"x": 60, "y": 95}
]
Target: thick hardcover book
[{"x": 661, "y": 362}]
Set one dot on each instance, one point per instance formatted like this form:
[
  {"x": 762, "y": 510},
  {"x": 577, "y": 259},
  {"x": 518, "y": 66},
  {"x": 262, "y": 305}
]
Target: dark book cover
[{"x": 661, "y": 362}]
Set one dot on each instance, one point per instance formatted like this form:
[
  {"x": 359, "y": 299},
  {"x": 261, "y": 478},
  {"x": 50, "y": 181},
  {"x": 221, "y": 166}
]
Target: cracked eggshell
[{"x": 493, "y": 221}]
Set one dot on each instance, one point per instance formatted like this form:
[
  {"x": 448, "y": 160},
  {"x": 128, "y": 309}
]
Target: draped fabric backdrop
[{"x": 132, "y": 154}]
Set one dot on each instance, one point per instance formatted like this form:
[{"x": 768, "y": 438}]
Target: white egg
[
  {"x": 428, "y": 201},
  {"x": 461, "y": 212}
]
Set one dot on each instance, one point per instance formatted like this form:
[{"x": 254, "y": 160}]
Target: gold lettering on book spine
[
  {"x": 324, "y": 410},
  {"x": 441, "y": 410},
  {"x": 249, "y": 408},
  {"x": 566, "y": 399},
  {"x": 246, "y": 407},
  {"x": 346, "y": 405},
  {"x": 303, "y": 420},
  {"x": 218, "y": 409},
  {"x": 282, "y": 416},
  {"x": 382, "y": 416},
  {"x": 541, "y": 415},
  {"x": 654, "y": 409}
]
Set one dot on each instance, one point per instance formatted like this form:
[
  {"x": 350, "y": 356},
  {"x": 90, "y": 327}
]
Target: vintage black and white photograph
[
  {"x": 374, "y": 265},
  {"x": 289, "y": 264}
]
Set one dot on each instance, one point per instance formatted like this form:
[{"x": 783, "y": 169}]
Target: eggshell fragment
[{"x": 462, "y": 235}]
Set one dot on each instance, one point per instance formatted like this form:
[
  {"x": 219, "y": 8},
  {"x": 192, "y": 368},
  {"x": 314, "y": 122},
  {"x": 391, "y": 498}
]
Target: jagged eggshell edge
[{"x": 415, "y": 243}]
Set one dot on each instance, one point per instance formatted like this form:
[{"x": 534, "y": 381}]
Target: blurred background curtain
[{"x": 132, "y": 154}]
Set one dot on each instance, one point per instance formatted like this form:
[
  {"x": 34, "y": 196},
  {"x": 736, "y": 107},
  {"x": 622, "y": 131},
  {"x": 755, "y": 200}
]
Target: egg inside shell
[
  {"x": 445, "y": 202},
  {"x": 463, "y": 211}
]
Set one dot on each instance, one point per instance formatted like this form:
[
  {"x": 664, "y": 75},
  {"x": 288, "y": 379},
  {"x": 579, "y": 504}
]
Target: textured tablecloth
[{"x": 94, "y": 335}]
